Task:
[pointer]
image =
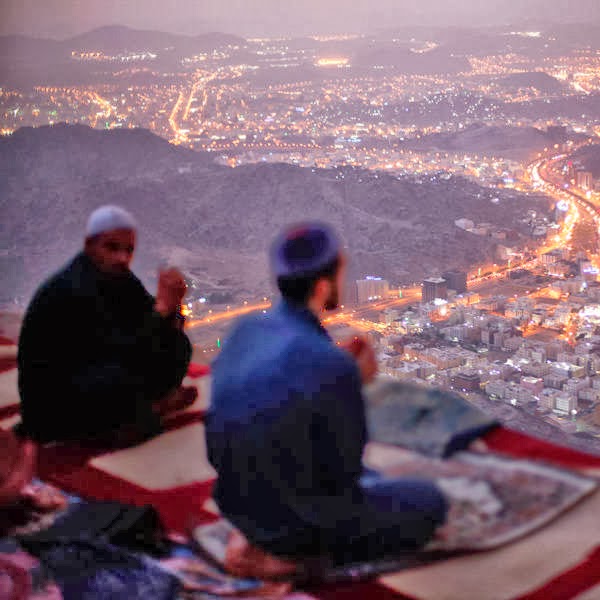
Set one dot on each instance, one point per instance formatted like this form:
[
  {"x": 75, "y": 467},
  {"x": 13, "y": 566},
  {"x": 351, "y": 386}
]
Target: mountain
[
  {"x": 23, "y": 48},
  {"x": 537, "y": 80},
  {"x": 217, "y": 222},
  {"x": 462, "y": 41},
  {"x": 577, "y": 35},
  {"x": 112, "y": 40},
  {"x": 26, "y": 61},
  {"x": 403, "y": 60},
  {"x": 516, "y": 143},
  {"x": 117, "y": 39},
  {"x": 589, "y": 157}
]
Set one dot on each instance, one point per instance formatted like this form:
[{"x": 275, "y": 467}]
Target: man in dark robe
[{"x": 99, "y": 357}]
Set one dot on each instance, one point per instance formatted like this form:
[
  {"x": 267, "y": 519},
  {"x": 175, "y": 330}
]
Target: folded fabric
[
  {"x": 430, "y": 421},
  {"x": 133, "y": 527},
  {"x": 21, "y": 575},
  {"x": 88, "y": 570},
  {"x": 201, "y": 581}
]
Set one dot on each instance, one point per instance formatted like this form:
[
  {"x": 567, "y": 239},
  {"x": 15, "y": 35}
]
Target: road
[
  {"x": 232, "y": 313},
  {"x": 491, "y": 284}
]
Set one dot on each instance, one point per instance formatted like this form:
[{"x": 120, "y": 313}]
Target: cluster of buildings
[
  {"x": 537, "y": 225},
  {"x": 540, "y": 351}
]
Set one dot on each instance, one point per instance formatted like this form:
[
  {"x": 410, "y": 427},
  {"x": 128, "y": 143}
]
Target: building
[
  {"x": 555, "y": 380},
  {"x": 441, "y": 358},
  {"x": 496, "y": 389},
  {"x": 389, "y": 315},
  {"x": 584, "y": 180},
  {"x": 565, "y": 404},
  {"x": 456, "y": 280},
  {"x": 547, "y": 399},
  {"x": 371, "y": 288},
  {"x": 549, "y": 258},
  {"x": 434, "y": 287},
  {"x": 467, "y": 299},
  {"x": 467, "y": 381},
  {"x": 534, "y": 384}
]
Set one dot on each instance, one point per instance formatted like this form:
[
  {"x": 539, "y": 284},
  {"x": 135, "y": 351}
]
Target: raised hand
[
  {"x": 171, "y": 290},
  {"x": 364, "y": 355}
]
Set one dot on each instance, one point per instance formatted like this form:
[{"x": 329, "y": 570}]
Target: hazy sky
[{"x": 62, "y": 18}]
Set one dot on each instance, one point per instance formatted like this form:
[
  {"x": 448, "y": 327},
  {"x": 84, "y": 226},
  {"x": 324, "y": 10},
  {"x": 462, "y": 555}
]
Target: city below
[{"x": 517, "y": 334}]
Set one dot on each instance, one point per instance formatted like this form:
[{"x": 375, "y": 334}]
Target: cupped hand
[
  {"x": 364, "y": 354},
  {"x": 171, "y": 290}
]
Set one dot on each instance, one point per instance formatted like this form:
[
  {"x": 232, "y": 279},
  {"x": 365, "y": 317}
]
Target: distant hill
[
  {"x": 117, "y": 39},
  {"x": 462, "y": 41},
  {"x": 111, "y": 40},
  {"x": 26, "y": 61},
  {"x": 403, "y": 60},
  {"x": 537, "y": 80},
  {"x": 21, "y": 47},
  {"x": 589, "y": 156},
  {"x": 517, "y": 143},
  {"x": 577, "y": 34},
  {"x": 217, "y": 222}
]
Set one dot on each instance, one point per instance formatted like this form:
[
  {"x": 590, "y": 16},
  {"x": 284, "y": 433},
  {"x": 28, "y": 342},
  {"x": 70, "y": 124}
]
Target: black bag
[{"x": 136, "y": 528}]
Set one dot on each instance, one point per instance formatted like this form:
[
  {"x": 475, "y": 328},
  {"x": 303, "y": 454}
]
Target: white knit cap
[{"x": 108, "y": 218}]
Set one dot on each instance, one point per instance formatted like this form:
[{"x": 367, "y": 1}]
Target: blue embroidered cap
[{"x": 303, "y": 249}]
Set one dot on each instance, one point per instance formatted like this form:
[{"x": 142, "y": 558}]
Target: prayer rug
[
  {"x": 556, "y": 554},
  {"x": 494, "y": 500}
]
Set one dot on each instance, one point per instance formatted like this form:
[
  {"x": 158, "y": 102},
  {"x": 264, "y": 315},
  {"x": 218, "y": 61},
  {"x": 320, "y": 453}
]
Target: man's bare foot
[
  {"x": 179, "y": 399},
  {"x": 20, "y": 459},
  {"x": 242, "y": 559}
]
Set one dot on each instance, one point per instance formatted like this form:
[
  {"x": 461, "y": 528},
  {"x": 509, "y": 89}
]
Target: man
[
  {"x": 286, "y": 430},
  {"x": 99, "y": 358}
]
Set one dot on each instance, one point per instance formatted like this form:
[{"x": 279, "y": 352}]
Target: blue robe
[{"x": 286, "y": 432}]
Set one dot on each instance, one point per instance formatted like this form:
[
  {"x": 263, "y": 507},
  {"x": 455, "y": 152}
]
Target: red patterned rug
[{"x": 102, "y": 474}]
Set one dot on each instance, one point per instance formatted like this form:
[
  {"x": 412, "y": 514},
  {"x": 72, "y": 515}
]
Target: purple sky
[{"x": 62, "y": 18}]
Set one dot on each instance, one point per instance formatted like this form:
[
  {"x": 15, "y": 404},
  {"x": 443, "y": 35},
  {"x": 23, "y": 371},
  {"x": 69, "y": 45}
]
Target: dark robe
[{"x": 95, "y": 356}]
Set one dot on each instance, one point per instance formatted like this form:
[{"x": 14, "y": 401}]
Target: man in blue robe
[{"x": 286, "y": 429}]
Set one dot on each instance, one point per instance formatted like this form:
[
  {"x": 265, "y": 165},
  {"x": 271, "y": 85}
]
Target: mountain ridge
[{"x": 216, "y": 222}]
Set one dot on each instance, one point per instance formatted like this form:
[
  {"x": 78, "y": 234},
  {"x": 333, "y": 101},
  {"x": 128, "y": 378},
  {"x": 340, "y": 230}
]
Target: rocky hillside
[
  {"x": 516, "y": 143},
  {"x": 217, "y": 222}
]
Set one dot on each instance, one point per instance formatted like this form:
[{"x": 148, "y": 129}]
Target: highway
[{"x": 233, "y": 313}]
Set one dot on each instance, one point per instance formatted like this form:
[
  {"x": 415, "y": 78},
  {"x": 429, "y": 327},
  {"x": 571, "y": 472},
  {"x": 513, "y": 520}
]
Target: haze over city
[{"x": 63, "y": 18}]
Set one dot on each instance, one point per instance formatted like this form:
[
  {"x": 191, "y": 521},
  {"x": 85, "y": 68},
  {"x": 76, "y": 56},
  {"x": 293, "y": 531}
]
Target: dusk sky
[{"x": 63, "y": 18}]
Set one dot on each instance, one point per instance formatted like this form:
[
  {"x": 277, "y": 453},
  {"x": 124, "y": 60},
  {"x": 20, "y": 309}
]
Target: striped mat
[{"x": 171, "y": 472}]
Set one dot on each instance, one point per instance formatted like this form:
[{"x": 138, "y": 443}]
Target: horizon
[{"x": 62, "y": 19}]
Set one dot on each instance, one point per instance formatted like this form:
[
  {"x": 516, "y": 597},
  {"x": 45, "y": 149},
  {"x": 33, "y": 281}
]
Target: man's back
[{"x": 286, "y": 429}]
